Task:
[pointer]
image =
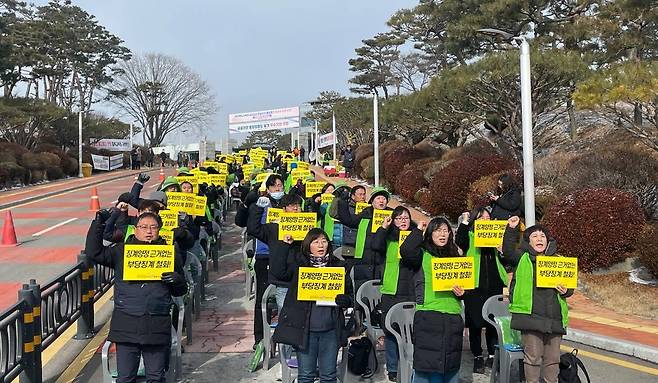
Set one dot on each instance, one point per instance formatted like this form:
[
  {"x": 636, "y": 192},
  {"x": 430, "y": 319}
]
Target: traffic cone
[
  {"x": 95, "y": 204},
  {"x": 162, "y": 174},
  {"x": 8, "y": 232}
]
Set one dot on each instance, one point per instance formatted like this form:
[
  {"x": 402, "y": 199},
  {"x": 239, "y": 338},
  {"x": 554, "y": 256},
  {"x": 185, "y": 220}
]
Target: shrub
[
  {"x": 434, "y": 168},
  {"x": 599, "y": 226},
  {"x": 624, "y": 168},
  {"x": 550, "y": 169},
  {"x": 449, "y": 187},
  {"x": 11, "y": 172},
  {"x": 422, "y": 196},
  {"x": 49, "y": 159},
  {"x": 647, "y": 247},
  {"x": 15, "y": 150},
  {"x": 409, "y": 181},
  {"x": 362, "y": 152},
  {"x": 32, "y": 161},
  {"x": 395, "y": 161},
  {"x": 429, "y": 149},
  {"x": 7, "y": 157},
  {"x": 368, "y": 172},
  {"x": 473, "y": 148},
  {"x": 54, "y": 173}
]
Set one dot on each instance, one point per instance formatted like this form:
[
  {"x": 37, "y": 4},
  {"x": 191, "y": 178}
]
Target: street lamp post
[
  {"x": 80, "y": 144},
  {"x": 526, "y": 121},
  {"x": 375, "y": 118}
]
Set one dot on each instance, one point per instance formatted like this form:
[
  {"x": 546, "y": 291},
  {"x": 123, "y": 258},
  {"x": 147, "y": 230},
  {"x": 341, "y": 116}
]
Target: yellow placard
[
  {"x": 167, "y": 235},
  {"x": 259, "y": 162},
  {"x": 211, "y": 164},
  {"x": 320, "y": 283},
  {"x": 303, "y": 165},
  {"x": 281, "y": 153},
  {"x": 260, "y": 178},
  {"x": 195, "y": 170},
  {"x": 222, "y": 168},
  {"x": 181, "y": 202},
  {"x": 169, "y": 219},
  {"x": 147, "y": 262},
  {"x": 313, "y": 188},
  {"x": 403, "y": 235},
  {"x": 203, "y": 178},
  {"x": 200, "y": 205},
  {"x": 217, "y": 179},
  {"x": 556, "y": 270},
  {"x": 242, "y": 152},
  {"x": 273, "y": 215},
  {"x": 327, "y": 198},
  {"x": 296, "y": 225},
  {"x": 299, "y": 174},
  {"x": 378, "y": 217},
  {"x": 454, "y": 271},
  {"x": 191, "y": 179},
  {"x": 359, "y": 207},
  {"x": 489, "y": 233}
]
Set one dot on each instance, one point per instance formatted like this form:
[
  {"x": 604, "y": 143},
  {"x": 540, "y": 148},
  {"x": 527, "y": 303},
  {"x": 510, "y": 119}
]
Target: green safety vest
[
  {"x": 441, "y": 301},
  {"x": 523, "y": 288},
  {"x": 391, "y": 270},
  {"x": 328, "y": 225},
  {"x": 130, "y": 230},
  {"x": 477, "y": 255},
  {"x": 361, "y": 234}
]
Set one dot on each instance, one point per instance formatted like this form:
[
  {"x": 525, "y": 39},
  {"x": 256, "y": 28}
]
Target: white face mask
[{"x": 277, "y": 195}]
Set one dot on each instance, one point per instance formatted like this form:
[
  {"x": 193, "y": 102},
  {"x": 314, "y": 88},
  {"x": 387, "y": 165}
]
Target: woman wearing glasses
[{"x": 397, "y": 281}]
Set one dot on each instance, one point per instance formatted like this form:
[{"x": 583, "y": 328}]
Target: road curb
[
  {"x": 60, "y": 191},
  {"x": 619, "y": 346}
]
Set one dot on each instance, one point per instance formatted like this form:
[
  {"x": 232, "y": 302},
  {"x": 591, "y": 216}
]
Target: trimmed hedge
[
  {"x": 599, "y": 226},
  {"x": 647, "y": 247},
  {"x": 410, "y": 180},
  {"x": 361, "y": 153},
  {"x": 449, "y": 187},
  {"x": 395, "y": 161}
]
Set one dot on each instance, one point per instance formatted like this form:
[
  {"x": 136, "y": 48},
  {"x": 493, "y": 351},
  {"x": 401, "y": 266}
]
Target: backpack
[
  {"x": 569, "y": 364},
  {"x": 358, "y": 356}
]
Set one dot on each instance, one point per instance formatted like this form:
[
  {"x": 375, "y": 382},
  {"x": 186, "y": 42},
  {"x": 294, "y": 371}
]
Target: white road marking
[{"x": 53, "y": 227}]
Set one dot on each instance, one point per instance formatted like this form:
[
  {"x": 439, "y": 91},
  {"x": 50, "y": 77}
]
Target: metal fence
[{"x": 43, "y": 313}]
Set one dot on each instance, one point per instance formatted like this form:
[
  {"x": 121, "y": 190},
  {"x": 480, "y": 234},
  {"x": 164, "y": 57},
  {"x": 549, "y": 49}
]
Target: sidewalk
[
  {"x": 589, "y": 323},
  {"x": 11, "y": 198},
  {"x": 223, "y": 335}
]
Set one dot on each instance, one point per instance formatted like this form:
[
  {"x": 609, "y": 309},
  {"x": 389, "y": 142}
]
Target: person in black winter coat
[
  {"x": 507, "y": 202},
  {"x": 397, "y": 277},
  {"x": 490, "y": 281},
  {"x": 438, "y": 325},
  {"x": 141, "y": 320},
  {"x": 540, "y": 313},
  {"x": 316, "y": 331},
  {"x": 258, "y": 212}
]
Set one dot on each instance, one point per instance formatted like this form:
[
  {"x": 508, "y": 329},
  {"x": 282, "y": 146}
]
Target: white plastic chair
[
  {"x": 268, "y": 329},
  {"x": 496, "y": 312},
  {"x": 400, "y": 322},
  {"x": 368, "y": 296},
  {"x": 250, "y": 274}
]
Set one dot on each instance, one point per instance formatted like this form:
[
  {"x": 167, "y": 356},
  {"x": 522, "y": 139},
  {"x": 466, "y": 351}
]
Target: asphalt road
[{"x": 51, "y": 232}]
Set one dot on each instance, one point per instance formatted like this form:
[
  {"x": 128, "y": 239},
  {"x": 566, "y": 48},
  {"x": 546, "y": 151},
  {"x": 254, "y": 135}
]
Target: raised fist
[
  {"x": 513, "y": 222},
  {"x": 143, "y": 178}
]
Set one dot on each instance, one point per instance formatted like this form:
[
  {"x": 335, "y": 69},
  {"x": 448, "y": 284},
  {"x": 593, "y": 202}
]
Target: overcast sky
[{"x": 257, "y": 54}]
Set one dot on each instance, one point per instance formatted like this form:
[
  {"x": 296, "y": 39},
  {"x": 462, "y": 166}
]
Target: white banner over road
[
  {"x": 107, "y": 163},
  {"x": 326, "y": 140},
  {"x": 114, "y": 145},
  {"x": 264, "y": 125},
  {"x": 263, "y": 115}
]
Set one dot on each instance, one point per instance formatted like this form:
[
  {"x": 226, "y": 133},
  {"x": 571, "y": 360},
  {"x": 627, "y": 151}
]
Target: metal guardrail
[{"x": 43, "y": 313}]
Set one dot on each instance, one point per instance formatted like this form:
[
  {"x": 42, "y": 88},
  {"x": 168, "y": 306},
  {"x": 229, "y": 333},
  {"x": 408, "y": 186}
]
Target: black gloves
[
  {"x": 102, "y": 216},
  {"x": 343, "y": 301},
  {"x": 203, "y": 188},
  {"x": 143, "y": 178},
  {"x": 172, "y": 278}
]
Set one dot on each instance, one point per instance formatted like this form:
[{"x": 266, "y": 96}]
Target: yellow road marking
[
  {"x": 611, "y": 360},
  {"x": 79, "y": 363},
  {"x": 67, "y": 335},
  {"x": 614, "y": 323}
]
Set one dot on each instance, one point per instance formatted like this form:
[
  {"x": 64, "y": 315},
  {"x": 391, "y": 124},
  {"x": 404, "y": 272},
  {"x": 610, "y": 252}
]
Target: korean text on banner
[
  {"x": 326, "y": 140},
  {"x": 360, "y": 206},
  {"x": 169, "y": 219},
  {"x": 296, "y": 225},
  {"x": 261, "y": 177},
  {"x": 116, "y": 162},
  {"x": 403, "y": 236},
  {"x": 200, "y": 205},
  {"x": 320, "y": 283},
  {"x": 327, "y": 198},
  {"x": 489, "y": 233},
  {"x": 303, "y": 165},
  {"x": 273, "y": 215},
  {"x": 167, "y": 235},
  {"x": 211, "y": 164},
  {"x": 203, "y": 178},
  {"x": 222, "y": 167},
  {"x": 217, "y": 179},
  {"x": 313, "y": 188},
  {"x": 147, "y": 262},
  {"x": 299, "y": 174},
  {"x": 181, "y": 202},
  {"x": 453, "y": 271},
  {"x": 378, "y": 217},
  {"x": 191, "y": 179},
  {"x": 553, "y": 271}
]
